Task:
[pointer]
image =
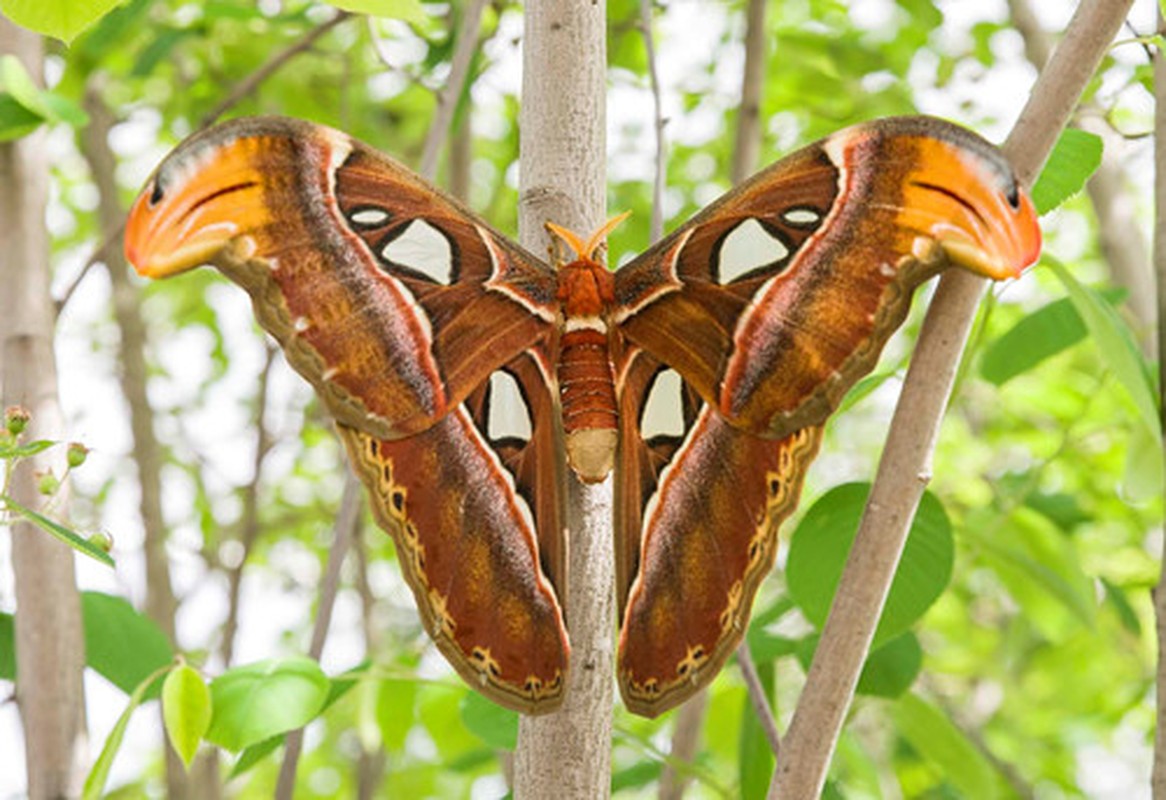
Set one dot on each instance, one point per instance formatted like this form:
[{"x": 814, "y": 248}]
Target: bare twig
[
  {"x": 146, "y": 452},
  {"x": 748, "y": 144},
  {"x": 1158, "y": 779},
  {"x": 447, "y": 98},
  {"x": 109, "y": 244},
  {"x": 343, "y": 534},
  {"x": 905, "y": 463},
  {"x": 249, "y": 519},
  {"x": 269, "y": 68},
  {"x": 685, "y": 741},
  {"x": 758, "y": 698},
  {"x": 656, "y": 227}
]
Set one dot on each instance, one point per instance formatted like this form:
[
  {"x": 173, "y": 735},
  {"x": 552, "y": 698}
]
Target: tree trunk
[
  {"x": 50, "y": 650},
  {"x": 567, "y": 754}
]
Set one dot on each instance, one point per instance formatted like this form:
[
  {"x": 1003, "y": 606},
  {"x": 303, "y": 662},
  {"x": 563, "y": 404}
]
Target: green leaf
[
  {"x": 186, "y": 710},
  {"x": 29, "y": 105},
  {"x": 890, "y": 670},
  {"x": 26, "y": 450},
  {"x": 257, "y": 701},
  {"x": 1075, "y": 157},
  {"x": 1121, "y": 604},
  {"x": 255, "y": 753},
  {"x": 1142, "y": 476},
  {"x": 407, "y": 10},
  {"x": 395, "y": 715},
  {"x": 20, "y": 86},
  {"x": 1039, "y": 335},
  {"x": 934, "y": 737},
  {"x": 121, "y": 644},
  {"x": 15, "y": 120},
  {"x": 61, "y": 19},
  {"x": 1038, "y": 564},
  {"x": 1117, "y": 345},
  {"x": 490, "y": 722},
  {"x": 7, "y": 647},
  {"x": 95, "y": 782},
  {"x": 636, "y": 776},
  {"x": 822, "y": 542},
  {"x": 69, "y": 537}
]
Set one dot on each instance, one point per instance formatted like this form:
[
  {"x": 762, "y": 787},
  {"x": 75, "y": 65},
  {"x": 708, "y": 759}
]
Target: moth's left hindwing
[{"x": 473, "y": 504}]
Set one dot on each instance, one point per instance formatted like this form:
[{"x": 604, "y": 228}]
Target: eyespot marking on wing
[
  {"x": 663, "y": 413},
  {"x": 802, "y": 217},
  {"x": 368, "y": 217},
  {"x": 747, "y": 249},
  {"x": 423, "y": 249},
  {"x": 507, "y": 412}
]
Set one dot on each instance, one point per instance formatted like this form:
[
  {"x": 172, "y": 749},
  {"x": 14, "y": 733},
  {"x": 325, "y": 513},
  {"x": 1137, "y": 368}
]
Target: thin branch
[
  {"x": 1158, "y": 778},
  {"x": 249, "y": 526},
  {"x": 269, "y": 68},
  {"x": 758, "y": 698},
  {"x": 146, "y": 452},
  {"x": 685, "y": 742},
  {"x": 656, "y": 226},
  {"x": 100, "y": 255},
  {"x": 905, "y": 463},
  {"x": 447, "y": 98},
  {"x": 748, "y": 145},
  {"x": 343, "y": 534}
]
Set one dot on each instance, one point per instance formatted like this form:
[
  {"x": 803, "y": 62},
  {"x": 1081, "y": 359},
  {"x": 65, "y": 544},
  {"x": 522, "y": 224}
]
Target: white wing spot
[
  {"x": 508, "y": 416},
  {"x": 424, "y": 249},
  {"x": 663, "y": 412},
  {"x": 746, "y": 248},
  {"x": 369, "y": 217},
  {"x": 802, "y": 216}
]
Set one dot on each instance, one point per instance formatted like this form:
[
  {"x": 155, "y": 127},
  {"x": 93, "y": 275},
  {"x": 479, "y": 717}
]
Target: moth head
[{"x": 586, "y": 250}]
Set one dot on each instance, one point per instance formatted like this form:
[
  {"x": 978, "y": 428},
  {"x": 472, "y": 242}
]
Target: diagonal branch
[
  {"x": 343, "y": 534},
  {"x": 905, "y": 464},
  {"x": 656, "y": 227},
  {"x": 447, "y": 98},
  {"x": 269, "y": 68}
]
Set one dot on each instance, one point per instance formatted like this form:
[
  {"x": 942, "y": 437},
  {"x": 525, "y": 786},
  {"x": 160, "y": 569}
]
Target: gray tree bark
[
  {"x": 50, "y": 653},
  {"x": 567, "y": 754}
]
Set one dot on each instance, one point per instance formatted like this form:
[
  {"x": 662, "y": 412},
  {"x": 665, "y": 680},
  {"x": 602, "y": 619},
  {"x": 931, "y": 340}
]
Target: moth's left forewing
[{"x": 698, "y": 507}]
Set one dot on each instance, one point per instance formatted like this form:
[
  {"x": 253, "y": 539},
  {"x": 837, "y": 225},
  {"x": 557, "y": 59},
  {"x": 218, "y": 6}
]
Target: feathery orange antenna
[{"x": 585, "y": 250}]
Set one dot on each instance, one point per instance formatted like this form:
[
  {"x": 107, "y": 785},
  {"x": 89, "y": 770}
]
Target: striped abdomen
[{"x": 586, "y": 381}]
